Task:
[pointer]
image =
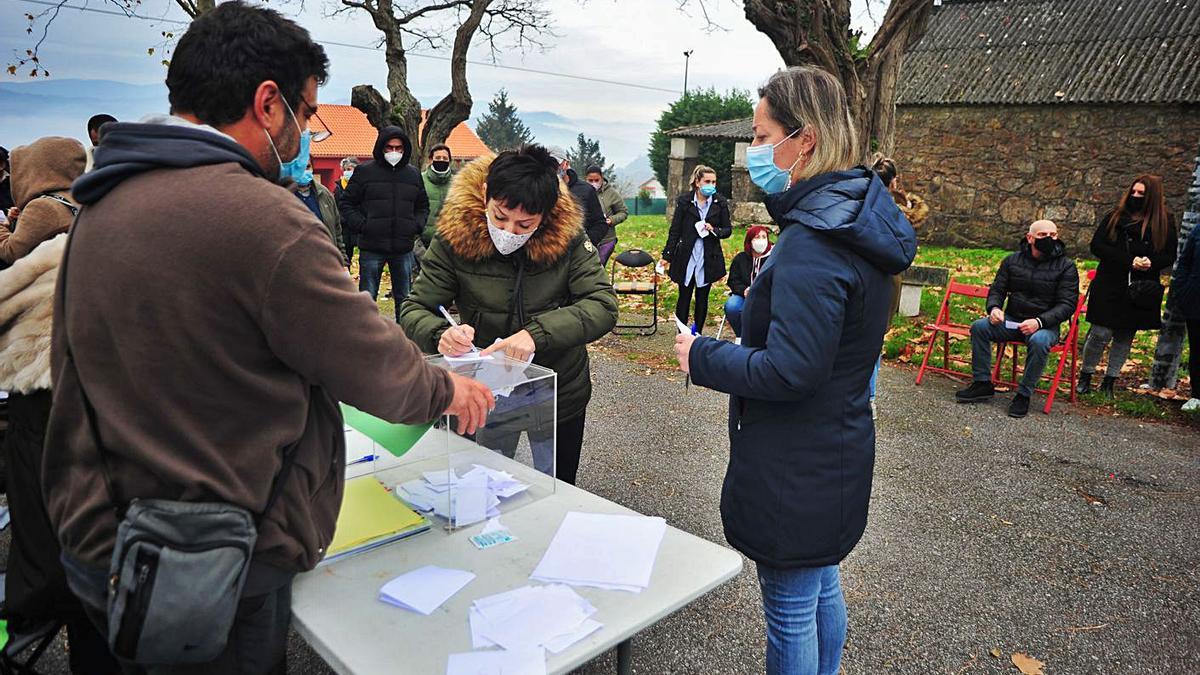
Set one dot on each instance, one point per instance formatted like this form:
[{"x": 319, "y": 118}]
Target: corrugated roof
[
  {"x": 729, "y": 130},
  {"x": 1056, "y": 51},
  {"x": 354, "y": 136}
]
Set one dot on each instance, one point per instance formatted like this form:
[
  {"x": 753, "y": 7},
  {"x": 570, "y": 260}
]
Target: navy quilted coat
[{"x": 802, "y": 443}]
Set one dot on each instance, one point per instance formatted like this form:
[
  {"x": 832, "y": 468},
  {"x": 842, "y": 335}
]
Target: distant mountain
[
  {"x": 619, "y": 141},
  {"x": 62, "y": 107},
  {"x": 638, "y": 171}
]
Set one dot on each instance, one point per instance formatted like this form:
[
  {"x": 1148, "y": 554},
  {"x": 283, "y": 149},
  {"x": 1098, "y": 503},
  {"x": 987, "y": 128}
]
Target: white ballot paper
[
  {"x": 515, "y": 662},
  {"x": 614, "y": 552},
  {"x": 554, "y": 617},
  {"x": 702, "y": 229},
  {"x": 424, "y": 589},
  {"x": 683, "y": 327},
  {"x": 1012, "y": 325}
]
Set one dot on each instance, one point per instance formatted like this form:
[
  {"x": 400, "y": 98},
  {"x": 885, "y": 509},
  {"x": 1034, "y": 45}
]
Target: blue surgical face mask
[
  {"x": 295, "y": 168},
  {"x": 708, "y": 190},
  {"x": 760, "y": 163}
]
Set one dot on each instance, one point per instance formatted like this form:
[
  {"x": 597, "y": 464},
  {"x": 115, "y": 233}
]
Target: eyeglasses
[{"x": 317, "y": 136}]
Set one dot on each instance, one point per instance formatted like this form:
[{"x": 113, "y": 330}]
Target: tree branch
[{"x": 413, "y": 15}]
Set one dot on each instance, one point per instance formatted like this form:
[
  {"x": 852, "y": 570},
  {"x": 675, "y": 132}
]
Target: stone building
[{"x": 1013, "y": 110}]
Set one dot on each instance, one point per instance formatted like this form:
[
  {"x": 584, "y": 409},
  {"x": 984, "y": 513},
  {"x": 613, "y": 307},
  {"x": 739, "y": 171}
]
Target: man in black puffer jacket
[
  {"x": 386, "y": 207},
  {"x": 594, "y": 222},
  {"x": 1041, "y": 286}
]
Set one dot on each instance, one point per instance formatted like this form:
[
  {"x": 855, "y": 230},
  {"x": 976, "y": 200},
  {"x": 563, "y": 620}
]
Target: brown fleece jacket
[
  {"x": 212, "y": 324},
  {"x": 46, "y": 166}
]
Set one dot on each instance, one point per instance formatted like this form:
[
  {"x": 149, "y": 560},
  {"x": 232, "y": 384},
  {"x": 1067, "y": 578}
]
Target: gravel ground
[{"x": 1067, "y": 537}]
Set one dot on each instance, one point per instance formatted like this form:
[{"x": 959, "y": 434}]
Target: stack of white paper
[
  {"x": 424, "y": 589},
  {"x": 468, "y": 499},
  {"x": 553, "y": 617},
  {"x": 613, "y": 552},
  {"x": 520, "y": 662}
]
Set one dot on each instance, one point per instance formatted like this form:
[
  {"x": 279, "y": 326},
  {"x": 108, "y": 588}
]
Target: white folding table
[{"x": 336, "y": 609}]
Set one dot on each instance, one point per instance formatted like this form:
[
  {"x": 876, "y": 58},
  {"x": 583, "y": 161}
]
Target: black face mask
[
  {"x": 441, "y": 167},
  {"x": 1045, "y": 245},
  {"x": 1135, "y": 204}
]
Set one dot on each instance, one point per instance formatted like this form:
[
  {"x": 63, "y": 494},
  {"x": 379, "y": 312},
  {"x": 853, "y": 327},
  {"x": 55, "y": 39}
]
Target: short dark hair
[
  {"x": 97, "y": 121},
  {"x": 594, "y": 169},
  {"x": 525, "y": 178},
  {"x": 227, "y": 52},
  {"x": 440, "y": 146}
]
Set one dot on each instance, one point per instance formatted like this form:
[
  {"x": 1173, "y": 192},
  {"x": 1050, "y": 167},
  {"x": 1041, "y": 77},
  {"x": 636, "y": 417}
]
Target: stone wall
[{"x": 988, "y": 171}]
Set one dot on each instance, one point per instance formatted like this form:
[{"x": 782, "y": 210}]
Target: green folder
[{"x": 397, "y": 438}]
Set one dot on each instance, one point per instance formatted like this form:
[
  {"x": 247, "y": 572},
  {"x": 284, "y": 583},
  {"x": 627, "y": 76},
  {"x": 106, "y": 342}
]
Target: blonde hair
[
  {"x": 699, "y": 172},
  {"x": 807, "y": 97}
]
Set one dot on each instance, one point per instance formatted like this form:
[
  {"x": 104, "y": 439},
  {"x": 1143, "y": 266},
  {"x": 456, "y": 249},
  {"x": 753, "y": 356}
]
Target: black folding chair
[{"x": 635, "y": 258}]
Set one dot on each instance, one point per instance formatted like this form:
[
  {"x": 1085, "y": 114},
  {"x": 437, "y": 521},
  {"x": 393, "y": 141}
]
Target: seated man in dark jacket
[
  {"x": 386, "y": 207},
  {"x": 1041, "y": 286}
]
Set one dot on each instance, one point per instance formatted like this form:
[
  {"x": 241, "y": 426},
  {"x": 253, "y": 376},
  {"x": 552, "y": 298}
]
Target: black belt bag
[{"x": 178, "y": 568}]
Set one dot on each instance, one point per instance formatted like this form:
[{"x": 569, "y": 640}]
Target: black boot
[
  {"x": 1085, "y": 384},
  {"x": 978, "y": 391},
  {"x": 1106, "y": 387}
]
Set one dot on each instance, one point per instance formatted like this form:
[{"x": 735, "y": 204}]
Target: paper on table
[
  {"x": 518, "y": 662},
  {"x": 424, "y": 589},
  {"x": 358, "y": 446},
  {"x": 603, "y": 550},
  {"x": 560, "y": 643},
  {"x": 531, "y": 616},
  {"x": 439, "y": 477}
]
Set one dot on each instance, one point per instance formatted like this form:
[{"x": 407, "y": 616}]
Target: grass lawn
[{"x": 906, "y": 338}]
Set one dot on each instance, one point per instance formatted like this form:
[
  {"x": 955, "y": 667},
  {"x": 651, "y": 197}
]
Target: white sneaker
[{"x": 1191, "y": 406}]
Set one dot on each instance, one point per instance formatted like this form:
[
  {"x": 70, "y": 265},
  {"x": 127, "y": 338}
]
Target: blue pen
[{"x": 368, "y": 458}]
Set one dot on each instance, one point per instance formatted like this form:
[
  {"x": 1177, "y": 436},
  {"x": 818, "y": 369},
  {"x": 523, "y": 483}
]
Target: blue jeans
[
  {"x": 733, "y": 313},
  {"x": 875, "y": 376},
  {"x": 1038, "y": 345},
  {"x": 370, "y": 271},
  {"x": 806, "y": 619}
]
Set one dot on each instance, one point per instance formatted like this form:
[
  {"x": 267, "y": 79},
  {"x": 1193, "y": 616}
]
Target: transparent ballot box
[{"x": 448, "y": 480}]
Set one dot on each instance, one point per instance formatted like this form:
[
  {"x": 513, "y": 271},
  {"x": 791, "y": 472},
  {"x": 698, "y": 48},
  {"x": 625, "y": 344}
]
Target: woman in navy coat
[{"x": 802, "y": 443}]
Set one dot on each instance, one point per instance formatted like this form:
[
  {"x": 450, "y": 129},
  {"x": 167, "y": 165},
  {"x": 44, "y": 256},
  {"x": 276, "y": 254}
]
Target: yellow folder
[{"x": 371, "y": 515}]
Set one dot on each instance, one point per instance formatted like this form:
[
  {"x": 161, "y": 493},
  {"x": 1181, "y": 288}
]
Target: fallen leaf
[
  {"x": 1090, "y": 498},
  {"x": 1027, "y": 664},
  {"x": 995, "y": 652}
]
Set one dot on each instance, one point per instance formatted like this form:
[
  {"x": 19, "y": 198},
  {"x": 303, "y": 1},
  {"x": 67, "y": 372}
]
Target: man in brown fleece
[{"x": 212, "y": 325}]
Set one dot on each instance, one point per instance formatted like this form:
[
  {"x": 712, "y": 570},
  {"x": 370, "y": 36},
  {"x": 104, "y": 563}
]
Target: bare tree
[
  {"x": 817, "y": 32},
  {"x": 44, "y": 19},
  {"x": 527, "y": 21}
]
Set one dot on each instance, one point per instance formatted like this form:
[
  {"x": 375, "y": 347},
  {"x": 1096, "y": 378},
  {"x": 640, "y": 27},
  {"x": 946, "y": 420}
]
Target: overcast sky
[{"x": 638, "y": 42}]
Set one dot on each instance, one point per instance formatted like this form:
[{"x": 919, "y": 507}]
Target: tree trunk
[
  {"x": 455, "y": 107},
  {"x": 817, "y": 32},
  {"x": 404, "y": 110}
]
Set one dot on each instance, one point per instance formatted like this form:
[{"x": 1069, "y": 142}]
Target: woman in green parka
[{"x": 512, "y": 255}]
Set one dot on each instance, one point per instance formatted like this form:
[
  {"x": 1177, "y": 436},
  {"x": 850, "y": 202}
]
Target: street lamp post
[{"x": 687, "y": 57}]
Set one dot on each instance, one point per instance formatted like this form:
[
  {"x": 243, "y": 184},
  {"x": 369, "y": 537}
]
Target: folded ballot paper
[
  {"x": 614, "y": 552},
  {"x": 532, "y": 617},
  {"x": 468, "y": 499},
  {"x": 425, "y": 588}
]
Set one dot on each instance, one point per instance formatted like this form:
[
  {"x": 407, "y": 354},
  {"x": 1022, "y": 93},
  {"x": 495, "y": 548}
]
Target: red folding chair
[
  {"x": 943, "y": 326},
  {"x": 1068, "y": 347}
]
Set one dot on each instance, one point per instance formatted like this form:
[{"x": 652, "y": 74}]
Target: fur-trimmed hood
[
  {"x": 26, "y": 317},
  {"x": 463, "y": 223}
]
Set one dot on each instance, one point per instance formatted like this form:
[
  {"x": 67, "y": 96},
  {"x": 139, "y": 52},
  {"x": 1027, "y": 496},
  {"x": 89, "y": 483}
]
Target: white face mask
[
  {"x": 393, "y": 158},
  {"x": 506, "y": 242},
  {"x": 759, "y": 245}
]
